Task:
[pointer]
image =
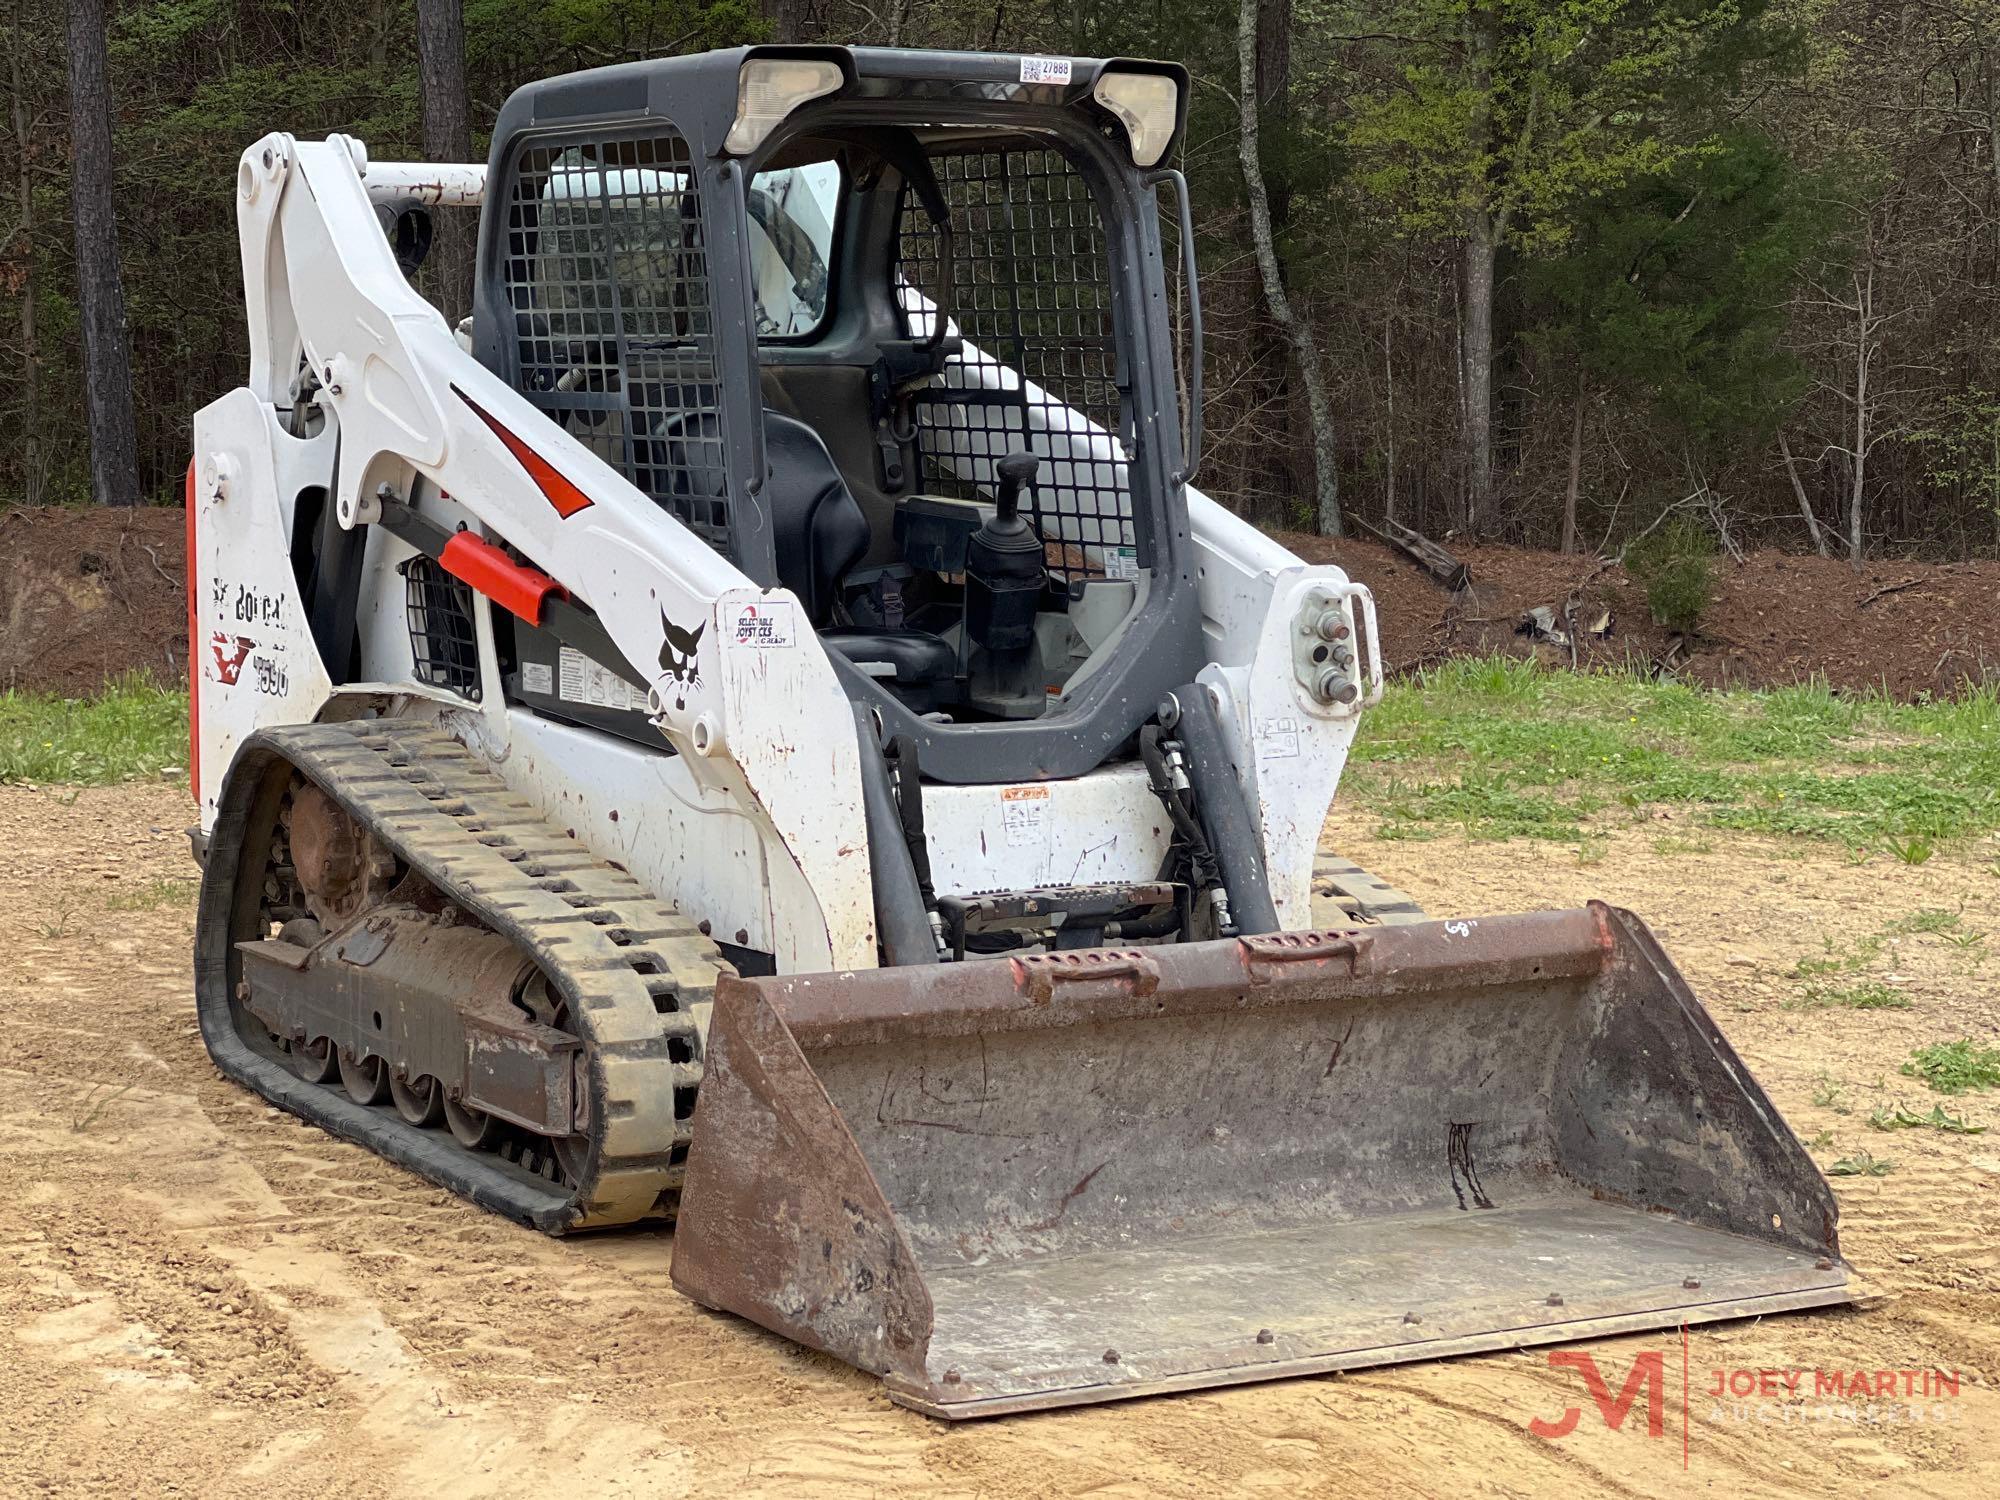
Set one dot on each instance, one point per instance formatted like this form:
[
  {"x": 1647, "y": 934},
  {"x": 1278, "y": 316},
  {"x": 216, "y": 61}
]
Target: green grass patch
[
  {"x": 1860, "y": 1164},
  {"x": 1502, "y": 748},
  {"x": 1869, "y": 994},
  {"x": 1828, "y": 1093},
  {"x": 133, "y": 728},
  {"x": 1902, "y": 1118},
  {"x": 1955, "y": 1067},
  {"x": 63, "y": 923},
  {"x": 151, "y": 896},
  {"x": 1838, "y": 958},
  {"x": 1929, "y": 919}
]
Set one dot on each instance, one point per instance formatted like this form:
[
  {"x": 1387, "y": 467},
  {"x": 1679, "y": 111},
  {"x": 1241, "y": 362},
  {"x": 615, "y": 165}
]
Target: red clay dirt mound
[
  {"x": 1906, "y": 628},
  {"x": 87, "y": 595}
]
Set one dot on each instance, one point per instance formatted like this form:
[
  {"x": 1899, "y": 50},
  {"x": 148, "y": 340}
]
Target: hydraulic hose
[
  {"x": 1225, "y": 811},
  {"x": 901, "y": 923}
]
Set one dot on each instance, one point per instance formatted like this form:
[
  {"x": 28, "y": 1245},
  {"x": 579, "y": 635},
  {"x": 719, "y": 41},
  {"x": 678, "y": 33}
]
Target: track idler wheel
[
  {"x": 315, "y": 1062},
  {"x": 420, "y": 1101},
  {"x": 473, "y": 1129},
  {"x": 366, "y": 1079}
]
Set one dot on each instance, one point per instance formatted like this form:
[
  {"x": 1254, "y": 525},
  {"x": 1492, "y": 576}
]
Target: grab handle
[
  {"x": 1358, "y": 595},
  {"x": 1038, "y": 974}
]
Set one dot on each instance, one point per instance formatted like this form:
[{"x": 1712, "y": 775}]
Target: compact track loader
[{"x": 756, "y": 728}]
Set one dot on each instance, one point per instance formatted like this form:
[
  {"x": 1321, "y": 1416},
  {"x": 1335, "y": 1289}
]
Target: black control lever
[
  {"x": 1017, "y": 471},
  {"x": 1004, "y": 566}
]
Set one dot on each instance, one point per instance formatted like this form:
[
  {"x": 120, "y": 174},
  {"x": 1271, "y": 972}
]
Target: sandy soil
[{"x": 205, "y": 1297}]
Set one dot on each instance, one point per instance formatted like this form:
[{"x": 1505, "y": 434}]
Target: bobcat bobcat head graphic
[
  {"x": 230, "y": 654},
  {"x": 677, "y": 651}
]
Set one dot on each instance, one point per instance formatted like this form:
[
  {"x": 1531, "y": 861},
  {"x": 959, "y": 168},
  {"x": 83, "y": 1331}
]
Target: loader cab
[{"x": 890, "y": 330}]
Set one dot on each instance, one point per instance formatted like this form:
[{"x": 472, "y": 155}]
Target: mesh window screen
[
  {"x": 606, "y": 270},
  {"x": 444, "y": 647},
  {"x": 1031, "y": 295}
]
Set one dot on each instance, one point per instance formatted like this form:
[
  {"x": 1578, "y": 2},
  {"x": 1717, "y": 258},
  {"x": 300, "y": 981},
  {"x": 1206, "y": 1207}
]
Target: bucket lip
[
  {"x": 936, "y": 1399},
  {"x": 837, "y": 1007}
]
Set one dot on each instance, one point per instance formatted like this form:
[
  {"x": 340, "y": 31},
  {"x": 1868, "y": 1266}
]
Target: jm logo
[{"x": 1648, "y": 1374}]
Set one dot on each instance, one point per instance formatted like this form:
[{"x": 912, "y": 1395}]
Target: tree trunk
[
  {"x": 1285, "y": 468},
  {"x": 1575, "y": 475},
  {"x": 447, "y": 133},
  {"x": 1864, "y": 304},
  {"x": 378, "y": 34},
  {"x": 107, "y": 352},
  {"x": 788, "y": 19},
  {"x": 1813, "y": 528},
  {"x": 1484, "y": 227},
  {"x": 31, "y": 352},
  {"x": 1274, "y": 94},
  {"x": 1389, "y": 405},
  {"x": 1305, "y": 351},
  {"x": 1476, "y": 367},
  {"x": 1992, "y": 71}
]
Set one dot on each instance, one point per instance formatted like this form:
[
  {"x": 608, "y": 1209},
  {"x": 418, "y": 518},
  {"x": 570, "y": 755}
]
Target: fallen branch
[
  {"x": 1799, "y": 490},
  {"x": 1887, "y": 589},
  {"x": 1666, "y": 664},
  {"x": 155, "y": 557},
  {"x": 1444, "y": 570}
]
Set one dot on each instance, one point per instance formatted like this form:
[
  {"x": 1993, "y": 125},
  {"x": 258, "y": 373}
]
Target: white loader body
[{"x": 753, "y": 821}]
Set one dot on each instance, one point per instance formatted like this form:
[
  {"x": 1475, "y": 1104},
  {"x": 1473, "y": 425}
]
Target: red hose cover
[{"x": 519, "y": 589}]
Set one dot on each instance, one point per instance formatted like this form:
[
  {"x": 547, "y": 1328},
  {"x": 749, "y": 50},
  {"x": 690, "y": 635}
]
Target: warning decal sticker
[{"x": 1024, "y": 812}]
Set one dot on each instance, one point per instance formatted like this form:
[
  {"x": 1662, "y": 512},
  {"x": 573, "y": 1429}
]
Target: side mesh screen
[
  {"x": 606, "y": 271},
  {"x": 444, "y": 646},
  {"x": 1031, "y": 296}
]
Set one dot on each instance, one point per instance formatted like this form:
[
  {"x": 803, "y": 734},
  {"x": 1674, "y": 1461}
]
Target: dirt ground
[
  {"x": 205, "y": 1297},
  {"x": 87, "y": 595}
]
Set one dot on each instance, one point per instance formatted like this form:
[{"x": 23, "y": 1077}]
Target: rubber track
[
  {"x": 1361, "y": 896},
  {"x": 638, "y": 975}
]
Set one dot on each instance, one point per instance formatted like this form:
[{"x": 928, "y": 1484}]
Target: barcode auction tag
[{"x": 1045, "y": 70}]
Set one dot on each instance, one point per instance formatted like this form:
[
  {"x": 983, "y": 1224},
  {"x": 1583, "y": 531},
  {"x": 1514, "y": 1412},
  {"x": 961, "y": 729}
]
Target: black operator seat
[{"x": 819, "y": 535}]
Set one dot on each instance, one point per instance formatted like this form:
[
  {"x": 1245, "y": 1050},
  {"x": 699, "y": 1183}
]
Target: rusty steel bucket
[{"x": 1081, "y": 1176}]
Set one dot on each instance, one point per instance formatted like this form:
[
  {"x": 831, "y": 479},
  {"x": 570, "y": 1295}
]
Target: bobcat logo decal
[
  {"x": 677, "y": 654},
  {"x": 230, "y": 654}
]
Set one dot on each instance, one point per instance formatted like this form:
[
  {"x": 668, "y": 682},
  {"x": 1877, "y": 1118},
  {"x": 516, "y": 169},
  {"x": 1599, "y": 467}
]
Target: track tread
[
  {"x": 1363, "y": 897},
  {"x": 591, "y": 926}
]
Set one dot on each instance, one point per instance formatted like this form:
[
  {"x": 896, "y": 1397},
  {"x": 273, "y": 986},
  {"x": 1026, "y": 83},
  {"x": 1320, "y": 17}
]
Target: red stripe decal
[
  {"x": 558, "y": 491},
  {"x": 194, "y": 650},
  {"x": 507, "y": 583}
]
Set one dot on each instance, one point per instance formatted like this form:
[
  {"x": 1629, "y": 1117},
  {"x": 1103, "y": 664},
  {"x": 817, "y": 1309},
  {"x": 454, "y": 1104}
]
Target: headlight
[
  {"x": 768, "y": 89},
  {"x": 1146, "y": 104}
]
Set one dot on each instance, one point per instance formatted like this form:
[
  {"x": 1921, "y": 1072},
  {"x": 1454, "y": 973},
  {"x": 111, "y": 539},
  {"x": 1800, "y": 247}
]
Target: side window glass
[{"x": 792, "y": 214}]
